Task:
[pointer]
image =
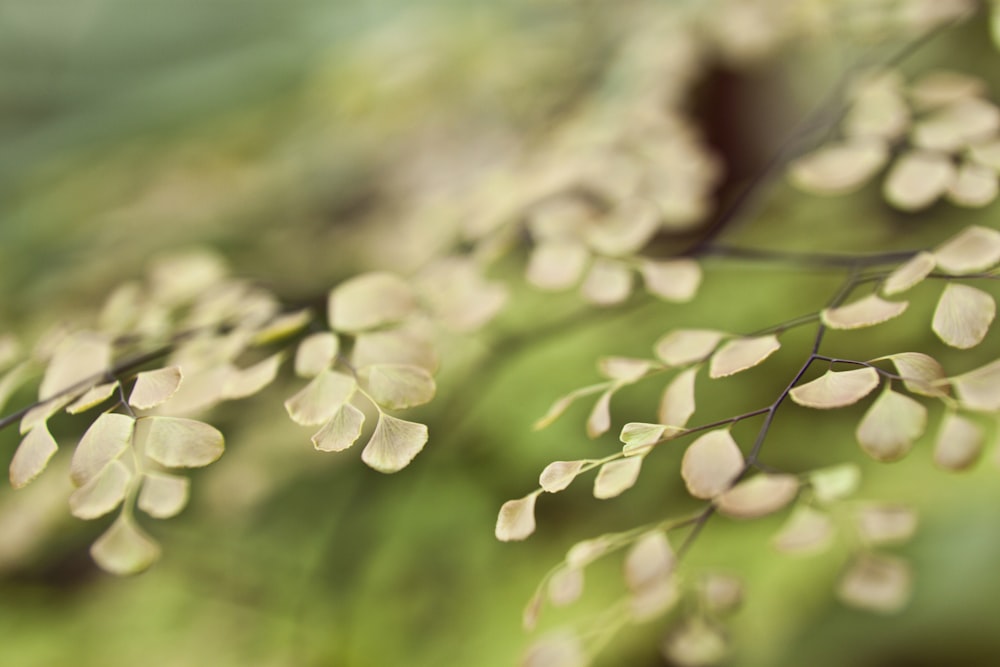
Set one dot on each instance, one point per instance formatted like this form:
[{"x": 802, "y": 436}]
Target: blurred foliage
[{"x": 282, "y": 135}]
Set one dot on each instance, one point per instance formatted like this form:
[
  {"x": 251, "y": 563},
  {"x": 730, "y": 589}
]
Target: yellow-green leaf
[
  {"x": 711, "y": 464},
  {"x": 176, "y": 442},
  {"x": 836, "y": 389},
  {"x": 394, "y": 443},
  {"x": 963, "y": 315},
  {"x": 342, "y": 431},
  {"x": 866, "y": 312},
  {"x": 891, "y": 424},
  {"x": 124, "y": 548},
  {"x": 742, "y": 353},
  {"x": 94, "y": 397},
  {"x": 835, "y": 482}
]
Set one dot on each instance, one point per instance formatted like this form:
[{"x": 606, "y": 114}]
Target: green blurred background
[{"x": 282, "y": 135}]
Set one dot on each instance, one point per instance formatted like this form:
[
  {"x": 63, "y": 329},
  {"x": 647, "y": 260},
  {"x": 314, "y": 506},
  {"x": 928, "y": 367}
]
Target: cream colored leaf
[
  {"x": 685, "y": 346},
  {"x": 979, "y": 389},
  {"x": 104, "y": 441},
  {"x": 879, "y": 112},
  {"x": 838, "y": 168},
  {"x": 585, "y": 552},
  {"x": 807, "y": 531},
  {"x": 343, "y": 429},
  {"x": 94, "y": 397},
  {"x": 835, "y": 482},
  {"x": 695, "y": 643},
  {"x": 616, "y": 477},
  {"x": 397, "y": 386},
  {"x": 608, "y": 282},
  {"x": 318, "y": 401},
  {"x": 876, "y": 583},
  {"x": 940, "y": 87},
  {"x": 917, "y": 179},
  {"x": 758, "y": 496},
  {"x": 986, "y": 154},
  {"x": 282, "y": 327},
  {"x": 32, "y": 456},
  {"x": 397, "y": 346},
  {"x": 974, "y": 186},
  {"x": 921, "y": 373},
  {"x": 184, "y": 275},
  {"x": 154, "y": 387},
  {"x": 565, "y": 586},
  {"x": 599, "y": 420},
  {"x": 556, "y": 265},
  {"x": 972, "y": 250},
  {"x": 649, "y": 560},
  {"x": 678, "y": 401},
  {"x": 370, "y": 300},
  {"x": 102, "y": 493},
  {"x": 163, "y": 496},
  {"x": 458, "y": 294},
  {"x": 12, "y": 380},
  {"x": 516, "y": 520},
  {"x": 562, "y": 403},
  {"x": 316, "y": 353},
  {"x": 866, "y": 312},
  {"x": 81, "y": 356},
  {"x": 950, "y": 128},
  {"x": 45, "y": 409},
  {"x": 674, "y": 280},
  {"x": 711, "y": 464},
  {"x": 891, "y": 424},
  {"x": 836, "y": 389},
  {"x": 626, "y": 230},
  {"x": 654, "y": 600},
  {"x": 721, "y": 593},
  {"x": 394, "y": 443},
  {"x": 244, "y": 382},
  {"x": 908, "y": 274},
  {"x": 626, "y": 369},
  {"x": 559, "y": 474},
  {"x": 560, "y": 648},
  {"x": 175, "y": 442},
  {"x": 124, "y": 548},
  {"x": 885, "y": 524},
  {"x": 740, "y": 354},
  {"x": 963, "y": 315},
  {"x": 959, "y": 442},
  {"x": 532, "y": 610}
]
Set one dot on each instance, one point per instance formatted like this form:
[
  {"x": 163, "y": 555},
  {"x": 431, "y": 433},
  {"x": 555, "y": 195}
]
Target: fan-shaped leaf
[
  {"x": 878, "y": 112},
  {"x": 607, "y": 283},
  {"x": 964, "y": 121},
  {"x": 124, "y": 549},
  {"x": 319, "y": 400},
  {"x": 45, "y": 409},
  {"x": 742, "y": 353},
  {"x": 963, "y": 315},
  {"x": 562, "y": 403},
  {"x": 678, "y": 403},
  {"x": 921, "y": 373},
  {"x": 649, "y": 561},
  {"x": 838, "y": 168},
  {"x": 836, "y": 389},
  {"x": 556, "y": 265},
  {"x": 559, "y": 474},
  {"x": 78, "y": 357},
  {"x": 979, "y": 389},
  {"x": 616, "y": 477},
  {"x": 884, "y": 524},
  {"x": 394, "y": 443},
  {"x": 974, "y": 186},
  {"x": 625, "y": 369},
  {"x": 758, "y": 496},
  {"x": 154, "y": 387},
  {"x": 102, "y": 493},
  {"x": 32, "y": 456},
  {"x": 876, "y": 583},
  {"x": 585, "y": 552},
  {"x": 940, "y": 87},
  {"x": 711, "y": 464},
  {"x": 560, "y": 648},
  {"x": 244, "y": 382},
  {"x": 917, "y": 179},
  {"x": 865, "y": 312},
  {"x": 639, "y": 437},
  {"x": 407, "y": 346},
  {"x": 835, "y": 482},
  {"x": 104, "y": 441},
  {"x": 342, "y": 431},
  {"x": 175, "y": 442},
  {"x": 892, "y": 423},
  {"x": 94, "y": 397},
  {"x": 959, "y": 442},
  {"x": 459, "y": 295},
  {"x": 908, "y": 274},
  {"x": 654, "y": 600},
  {"x": 807, "y": 531},
  {"x": 565, "y": 586},
  {"x": 368, "y": 301},
  {"x": 397, "y": 386},
  {"x": 973, "y": 249},
  {"x": 316, "y": 353},
  {"x": 674, "y": 280},
  {"x": 695, "y": 643},
  {"x": 163, "y": 496},
  {"x": 685, "y": 346},
  {"x": 516, "y": 520},
  {"x": 599, "y": 420}
]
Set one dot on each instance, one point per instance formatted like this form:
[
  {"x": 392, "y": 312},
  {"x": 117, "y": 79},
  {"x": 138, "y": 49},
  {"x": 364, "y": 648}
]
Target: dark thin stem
[{"x": 809, "y": 259}]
